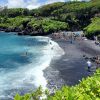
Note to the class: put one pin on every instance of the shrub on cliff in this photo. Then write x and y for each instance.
(47, 25)
(93, 28)
(13, 22)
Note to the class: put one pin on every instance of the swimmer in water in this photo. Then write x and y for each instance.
(50, 43)
(26, 53)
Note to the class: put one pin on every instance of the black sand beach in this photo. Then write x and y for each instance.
(72, 66)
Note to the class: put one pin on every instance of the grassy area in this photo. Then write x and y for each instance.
(47, 25)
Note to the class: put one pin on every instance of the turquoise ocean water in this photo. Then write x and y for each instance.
(22, 61)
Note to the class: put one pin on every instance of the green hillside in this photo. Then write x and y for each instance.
(77, 15)
(93, 28)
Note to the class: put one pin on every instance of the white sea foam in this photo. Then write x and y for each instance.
(51, 51)
(32, 73)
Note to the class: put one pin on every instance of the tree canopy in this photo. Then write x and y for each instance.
(77, 15)
(93, 28)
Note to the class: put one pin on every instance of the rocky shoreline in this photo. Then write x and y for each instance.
(27, 31)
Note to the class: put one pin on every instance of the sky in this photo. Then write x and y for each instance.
(30, 4)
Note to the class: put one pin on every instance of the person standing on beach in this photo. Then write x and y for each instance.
(89, 65)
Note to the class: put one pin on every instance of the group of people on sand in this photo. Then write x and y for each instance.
(67, 36)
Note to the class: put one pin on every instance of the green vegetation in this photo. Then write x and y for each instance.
(93, 28)
(12, 22)
(70, 16)
(47, 25)
(77, 14)
(14, 12)
(87, 89)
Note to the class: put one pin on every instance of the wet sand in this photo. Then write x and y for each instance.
(71, 67)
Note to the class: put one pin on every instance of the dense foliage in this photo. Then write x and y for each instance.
(47, 25)
(43, 25)
(93, 28)
(13, 22)
(76, 14)
(14, 12)
(87, 89)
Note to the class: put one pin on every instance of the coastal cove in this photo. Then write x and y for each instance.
(49, 64)
(22, 61)
(51, 51)
(69, 68)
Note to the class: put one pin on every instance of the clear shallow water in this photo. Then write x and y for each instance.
(22, 61)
